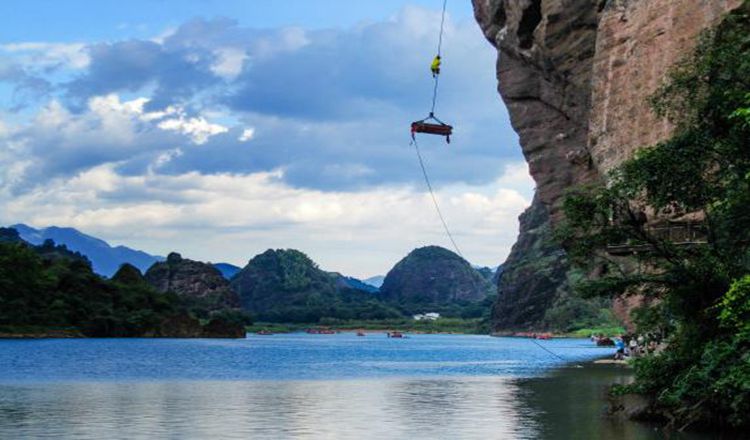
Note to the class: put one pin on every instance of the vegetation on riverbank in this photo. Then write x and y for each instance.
(47, 288)
(698, 292)
(409, 325)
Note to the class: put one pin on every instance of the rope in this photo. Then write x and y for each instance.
(548, 350)
(434, 95)
(434, 199)
(442, 25)
(439, 52)
(553, 353)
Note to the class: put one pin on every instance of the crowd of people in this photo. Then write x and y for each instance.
(630, 345)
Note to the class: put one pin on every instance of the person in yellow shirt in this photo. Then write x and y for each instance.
(435, 66)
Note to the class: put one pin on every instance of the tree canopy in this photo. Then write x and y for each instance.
(701, 173)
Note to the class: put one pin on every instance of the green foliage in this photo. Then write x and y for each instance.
(434, 279)
(50, 287)
(608, 331)
(734, 308)
(707, 383)
(703, 290)
(407, 324)
(572, 313)
(285, 285)
(233, 317)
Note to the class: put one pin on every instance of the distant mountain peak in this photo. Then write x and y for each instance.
(227, 270)
(105, 259)
(375, 281)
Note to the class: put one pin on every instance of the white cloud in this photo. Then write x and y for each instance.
(229, 62)
(234, 216)
(199, 129)
(247, 134)
(42, 54)
(164, 158)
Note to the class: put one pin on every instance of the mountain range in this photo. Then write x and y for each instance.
(105, 259)
(280, 285)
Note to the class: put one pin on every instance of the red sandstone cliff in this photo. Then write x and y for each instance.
(575, 75)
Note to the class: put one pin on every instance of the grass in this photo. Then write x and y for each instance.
(608, 331)
(441, 325)
(274, 327)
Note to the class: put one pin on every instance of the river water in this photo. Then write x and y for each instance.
(301, 386)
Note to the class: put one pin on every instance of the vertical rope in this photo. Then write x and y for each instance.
(434, 199)
(442, 25)
(434, 95)
(439, 52)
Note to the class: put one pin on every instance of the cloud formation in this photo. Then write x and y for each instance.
(242, 215)
(252, 138)
(319, 102)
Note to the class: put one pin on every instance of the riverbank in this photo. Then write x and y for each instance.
(455, 326)
(606, 331)
(32, 332)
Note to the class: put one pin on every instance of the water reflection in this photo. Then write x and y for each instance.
(396, 408)
(570, 403)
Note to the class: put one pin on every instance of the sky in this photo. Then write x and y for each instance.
(221, 128)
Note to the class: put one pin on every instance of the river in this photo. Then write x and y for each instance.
(301, 386)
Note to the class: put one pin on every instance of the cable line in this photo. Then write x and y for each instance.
(434, 199)
(438, 128)
(554, 354)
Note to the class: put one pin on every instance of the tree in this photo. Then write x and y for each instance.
(703, 170)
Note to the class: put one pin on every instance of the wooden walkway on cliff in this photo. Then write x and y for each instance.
(681, 234)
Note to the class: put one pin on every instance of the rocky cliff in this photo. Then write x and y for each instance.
(535, 274)
(193, 279)
(575, 76)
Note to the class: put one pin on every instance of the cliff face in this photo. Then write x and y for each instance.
(534, 275)
(575, 76)
(637, 42)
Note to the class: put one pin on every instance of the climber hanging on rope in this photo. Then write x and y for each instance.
(435, 66)
(438, 127)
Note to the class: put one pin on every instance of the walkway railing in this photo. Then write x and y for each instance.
(684, 234)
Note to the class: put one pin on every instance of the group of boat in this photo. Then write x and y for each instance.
(327, 331)
(320, 331)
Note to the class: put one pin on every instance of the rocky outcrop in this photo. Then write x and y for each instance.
(544, 69)
(433, 276)
(534, 275)
(575, 76)
(193, 279)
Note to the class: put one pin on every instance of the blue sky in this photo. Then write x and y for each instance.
(222, 128)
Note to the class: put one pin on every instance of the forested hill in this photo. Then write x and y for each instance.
(48, 289)
(285, 285)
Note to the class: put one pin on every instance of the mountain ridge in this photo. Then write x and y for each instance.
(105, 259)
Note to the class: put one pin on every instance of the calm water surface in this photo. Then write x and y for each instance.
(302, 387)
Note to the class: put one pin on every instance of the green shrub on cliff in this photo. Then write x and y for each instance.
(702, 288)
